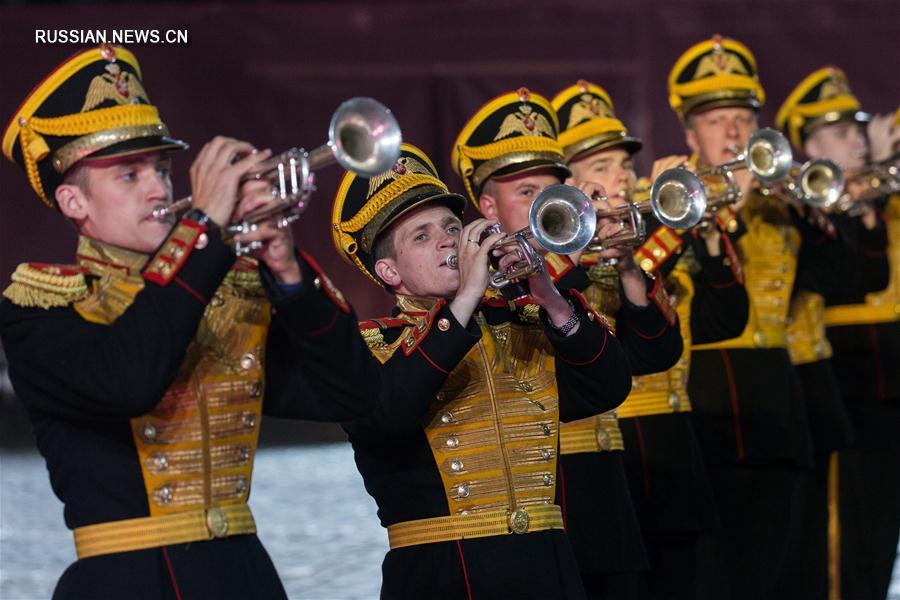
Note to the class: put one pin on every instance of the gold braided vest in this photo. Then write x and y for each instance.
(768, 252)
(196, 446)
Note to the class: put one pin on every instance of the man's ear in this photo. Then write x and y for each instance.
(690, 138)
(387, 272)
(487, 204)
(72, 201)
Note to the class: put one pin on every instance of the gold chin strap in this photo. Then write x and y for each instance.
(35, 148)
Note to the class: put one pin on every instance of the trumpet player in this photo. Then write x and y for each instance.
(665, 470)
(147, 364)
(748, 405)
(503, 179)
(461, 456)
(859, 491)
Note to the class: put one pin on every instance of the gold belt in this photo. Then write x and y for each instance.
(645, 404)
(751, 338)
(153, 532)
(861, 314)
(594, 434)
(475, 525)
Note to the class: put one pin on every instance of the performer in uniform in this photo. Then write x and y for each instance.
(462, 456)
(147, 365)
(663, 463)
(747, 402)
(823, 120)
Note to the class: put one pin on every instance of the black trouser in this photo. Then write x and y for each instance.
(747, 556)
(671, 574)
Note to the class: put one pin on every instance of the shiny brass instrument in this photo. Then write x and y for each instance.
(363, 137)
(674, 200)
(869, 183)
(767, 156)
(561, 219)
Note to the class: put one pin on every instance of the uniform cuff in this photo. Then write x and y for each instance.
(587, 344)
(311, 310)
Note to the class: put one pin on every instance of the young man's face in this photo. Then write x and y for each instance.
(718, 135)
(117, 199)
(844, 143)
(509, 199)
(422, 240)
(613, 169)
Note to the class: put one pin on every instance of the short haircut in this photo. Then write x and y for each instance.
(78, 176)
(383, 248)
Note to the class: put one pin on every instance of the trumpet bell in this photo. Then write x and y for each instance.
(364, 136)
(562, 219)
(769, 155)
(678, 199)
(821, 182)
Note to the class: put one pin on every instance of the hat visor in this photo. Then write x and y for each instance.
(631, 145)
(740, 102)
(454, 202)
(557, 167)
(138, 146)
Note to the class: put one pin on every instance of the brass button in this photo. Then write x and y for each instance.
(248, 361)
(546, 454)
(658, 253)
(674, 401)
(160, 462)
(456, 465)
(546, 429)
(176, 252)
(443, 324)
(217, 522)
(317, 282)
(202, 241)
(732, 226)
(243, 454)
(462, 490)
(603, 439)
(255, 389)
(647, 264)
(217, 300)
(249, 420)
(526, 387)
(148, 432)
(778, 284)
(447, 417)
(240, 485)
(452, 442)
(548, 479)
(519, 521)
(635, 383)
(163, 494)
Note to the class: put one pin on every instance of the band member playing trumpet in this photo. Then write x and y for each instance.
(461, 456)
(665, 469)
(147, 365)
(748, 405)
(859, 490)
(503, 172)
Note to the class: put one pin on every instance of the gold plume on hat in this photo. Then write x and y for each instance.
(121, 87)
(404, 165)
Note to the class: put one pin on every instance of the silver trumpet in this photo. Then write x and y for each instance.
(869, 183)
(363, 137)
(562, 220)
(767, 156)
(674, 200)
(816, 183)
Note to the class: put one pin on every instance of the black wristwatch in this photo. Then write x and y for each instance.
(202, 219)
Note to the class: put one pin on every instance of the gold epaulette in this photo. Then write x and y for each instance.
(373, 334)
(46, 286)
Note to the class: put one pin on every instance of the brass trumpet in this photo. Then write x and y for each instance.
(872, 181)
(363, 137)
(561, 219)
(767, 156)
(672, 200)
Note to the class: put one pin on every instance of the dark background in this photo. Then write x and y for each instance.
(272, 73)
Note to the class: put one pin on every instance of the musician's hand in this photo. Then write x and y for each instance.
(472, 254)
(884, 137)
(545, 294)
(597, 193)
(670, 162)
(277, 250)
(216, 174)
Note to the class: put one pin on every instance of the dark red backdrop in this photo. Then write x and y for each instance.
(273, 73)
